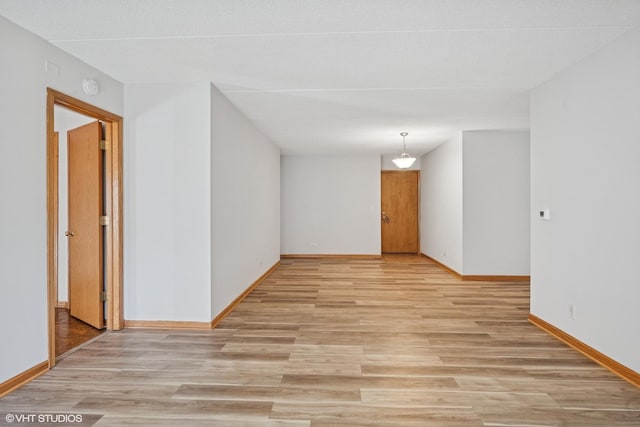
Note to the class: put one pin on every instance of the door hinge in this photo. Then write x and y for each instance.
(103, 144)
(104, 220)
(103, 296)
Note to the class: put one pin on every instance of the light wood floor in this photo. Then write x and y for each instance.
(371, 343)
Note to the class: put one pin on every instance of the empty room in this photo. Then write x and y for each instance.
(320, 213)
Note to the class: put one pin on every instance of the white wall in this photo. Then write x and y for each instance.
(23, 229)
(64, 120)
(496, 203)
(245, 202)
(585, 148)
(386, 163)
(200, 226)
(441, 204)
(474, 203)
(330, 205)
(167, 202)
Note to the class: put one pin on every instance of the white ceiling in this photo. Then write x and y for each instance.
(336, 76)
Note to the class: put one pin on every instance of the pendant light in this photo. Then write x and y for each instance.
(404, 160)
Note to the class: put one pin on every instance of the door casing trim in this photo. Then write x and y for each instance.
(113, 208)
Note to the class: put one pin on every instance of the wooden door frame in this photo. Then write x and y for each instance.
(417, 173)
(113, 209)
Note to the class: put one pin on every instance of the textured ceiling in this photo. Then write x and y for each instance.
(336, 76)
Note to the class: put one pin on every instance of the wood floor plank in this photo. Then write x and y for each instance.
(333, 342)
(186, 408)
(270, 394)
(399, 398)
(172, 421)
(359, 382)
(326, 414)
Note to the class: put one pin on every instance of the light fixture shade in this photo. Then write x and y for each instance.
(404, 161)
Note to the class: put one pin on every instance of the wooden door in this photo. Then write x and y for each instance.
(400, 211)
(85, 239)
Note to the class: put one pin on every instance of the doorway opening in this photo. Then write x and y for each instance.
(84, 222)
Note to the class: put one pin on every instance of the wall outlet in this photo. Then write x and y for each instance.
(572, 311)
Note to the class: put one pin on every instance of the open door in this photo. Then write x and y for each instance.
(85, 234)
(399, 191)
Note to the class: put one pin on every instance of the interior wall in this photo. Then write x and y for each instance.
(245, 202)
(23, 229)
(64, 121)
(330, 205)
(441, 204)
(584, 169)
(496, 197)
(167, 265)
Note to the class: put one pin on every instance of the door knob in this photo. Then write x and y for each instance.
(68, 233)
